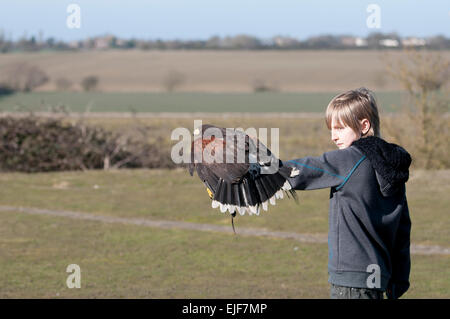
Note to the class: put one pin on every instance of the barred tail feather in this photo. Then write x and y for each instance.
(250, 195)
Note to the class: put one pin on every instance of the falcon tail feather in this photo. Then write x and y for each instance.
(250, 195)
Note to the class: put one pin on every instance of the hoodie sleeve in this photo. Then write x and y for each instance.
(332, 169)
(401, 260)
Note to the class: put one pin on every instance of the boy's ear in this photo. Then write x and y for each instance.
(365, 126)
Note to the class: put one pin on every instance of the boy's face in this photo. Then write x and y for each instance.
(342, 136)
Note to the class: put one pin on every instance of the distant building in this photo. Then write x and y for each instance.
(348, 41)
(392, 43)
(413, 42)
(120, 43)
(282, 42)
(360, 42)
(102, 43)
(74, 44)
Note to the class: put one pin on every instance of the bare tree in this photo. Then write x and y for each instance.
(424, 76)
(261, 85)
(24, 77)
(173, 80)
(89, 83)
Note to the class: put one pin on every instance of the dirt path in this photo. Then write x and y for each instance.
(166, 224)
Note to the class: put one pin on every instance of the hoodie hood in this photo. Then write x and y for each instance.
(390, 161)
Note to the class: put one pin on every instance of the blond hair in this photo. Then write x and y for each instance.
(350, 107)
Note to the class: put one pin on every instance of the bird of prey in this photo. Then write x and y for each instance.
(250, 178)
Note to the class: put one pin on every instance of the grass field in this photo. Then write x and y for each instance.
(134, 261)
(126, 261)
(183, 102)
(216, 71)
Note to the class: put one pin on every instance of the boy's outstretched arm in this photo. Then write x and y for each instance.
(401, 260)
(331, 169)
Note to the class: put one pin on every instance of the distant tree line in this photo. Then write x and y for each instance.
(238, 42)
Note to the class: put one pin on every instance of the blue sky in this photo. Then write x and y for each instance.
(200, 19)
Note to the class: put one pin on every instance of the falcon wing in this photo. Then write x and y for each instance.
(237, 186)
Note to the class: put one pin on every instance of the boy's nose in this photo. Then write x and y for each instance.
(333, 136)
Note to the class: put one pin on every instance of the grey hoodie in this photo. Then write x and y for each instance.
(369, 223)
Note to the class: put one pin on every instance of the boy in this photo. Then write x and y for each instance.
(369, 223)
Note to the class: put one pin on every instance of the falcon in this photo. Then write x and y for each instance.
(240, 173)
